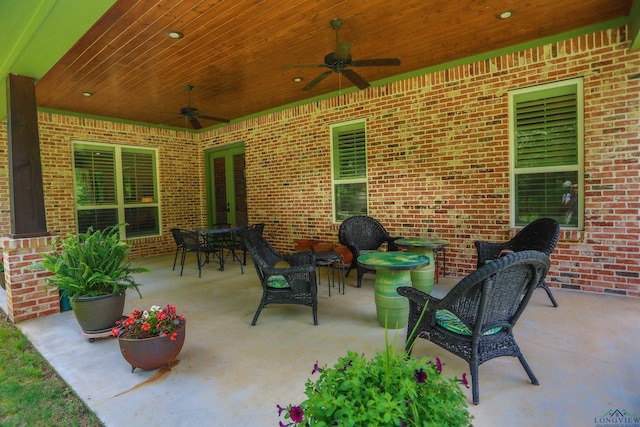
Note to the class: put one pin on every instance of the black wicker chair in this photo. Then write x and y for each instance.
(540, 235)
(258, 228)
(360, 234)
(292, 284)
(475, 319)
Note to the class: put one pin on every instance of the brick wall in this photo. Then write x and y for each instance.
(438, 148)
(180, 163)
(438, 162)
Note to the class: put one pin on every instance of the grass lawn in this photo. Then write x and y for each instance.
(31, 392)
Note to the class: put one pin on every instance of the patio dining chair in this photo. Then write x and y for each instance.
(475, 319)
(540, 235)
(291, 283)
(177, 238)
(194, 242)
(362, 233)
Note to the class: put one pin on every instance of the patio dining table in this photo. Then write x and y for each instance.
(223, 238)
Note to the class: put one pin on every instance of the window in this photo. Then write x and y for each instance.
(546, 127)
(349, 156)
(117, 185)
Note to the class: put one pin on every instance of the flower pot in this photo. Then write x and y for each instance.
(303, 245)
(65, 304)
(151, 353)
(322, 247)
(99, 314)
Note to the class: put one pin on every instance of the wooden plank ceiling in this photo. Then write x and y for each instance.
(233, 52)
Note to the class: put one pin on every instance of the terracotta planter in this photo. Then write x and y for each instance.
(151, 353)
(303, 245)
(99, 314)
(322, 247)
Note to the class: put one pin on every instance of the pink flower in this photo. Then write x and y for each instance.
(420, 375)
(296, 414)
(439, 365)
(464, 380)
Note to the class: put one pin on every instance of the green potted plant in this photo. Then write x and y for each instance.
(93, 271)
(390, 389)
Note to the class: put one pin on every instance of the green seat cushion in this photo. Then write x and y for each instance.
(451, 322)
(277, 282)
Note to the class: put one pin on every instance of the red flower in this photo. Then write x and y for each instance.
(174, 336)
(154, 322)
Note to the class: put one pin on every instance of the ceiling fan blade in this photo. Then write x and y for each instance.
(342, 51)
(379, 62)
(355, 78)
(216, 119)
(317, 80)
(194, 123)
(290, 67)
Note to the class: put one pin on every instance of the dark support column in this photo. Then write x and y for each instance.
(25, 170)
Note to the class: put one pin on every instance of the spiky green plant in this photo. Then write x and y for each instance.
(90, 264)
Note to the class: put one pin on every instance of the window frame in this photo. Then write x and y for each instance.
(335, 129)
(121, 205)
(578, 167)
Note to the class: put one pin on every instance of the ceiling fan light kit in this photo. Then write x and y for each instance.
(340, 62)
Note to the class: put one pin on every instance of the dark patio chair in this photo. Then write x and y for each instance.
(258, 228)
(475, 319)
(293, 283)
(362, 233)
(194, 242)
(177, 238)
(540, 235)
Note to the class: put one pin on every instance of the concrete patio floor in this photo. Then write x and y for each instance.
(585, 353)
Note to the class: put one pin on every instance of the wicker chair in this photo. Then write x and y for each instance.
(258, 228)
(293, 284)
(475, 319)
(360, 234)
(540, 235)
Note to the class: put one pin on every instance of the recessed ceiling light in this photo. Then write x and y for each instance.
(297, 79)
(87, 94)
(175, 34)
(506, 14)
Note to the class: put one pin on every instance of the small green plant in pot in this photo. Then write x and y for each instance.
(93, 271)
(390, 389)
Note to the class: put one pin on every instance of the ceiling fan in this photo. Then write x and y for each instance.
(191, 113)
(340, 62)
